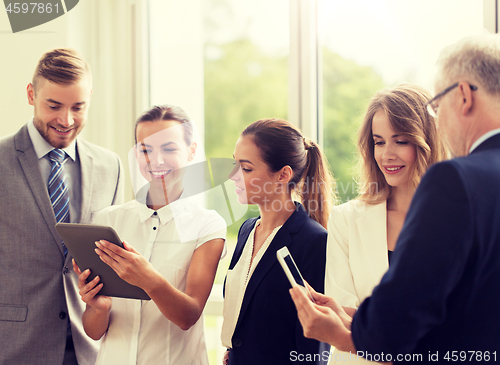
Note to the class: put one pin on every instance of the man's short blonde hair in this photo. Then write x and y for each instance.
(61, 66)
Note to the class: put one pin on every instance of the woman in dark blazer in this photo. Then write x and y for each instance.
(274, 162)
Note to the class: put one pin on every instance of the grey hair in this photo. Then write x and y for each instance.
(475, 56)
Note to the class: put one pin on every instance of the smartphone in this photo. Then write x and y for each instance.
(292, 271)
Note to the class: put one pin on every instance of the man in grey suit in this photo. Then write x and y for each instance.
(40, 309)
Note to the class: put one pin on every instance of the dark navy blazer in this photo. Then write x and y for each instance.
(442, 290)
(268, 330)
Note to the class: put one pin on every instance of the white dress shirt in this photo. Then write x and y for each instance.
(483, 138)
(71, 169)
(138, 332)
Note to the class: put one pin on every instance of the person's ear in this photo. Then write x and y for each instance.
(30, 90)
(285, 174)
(466, 95)
(192, 151)
(136, 151)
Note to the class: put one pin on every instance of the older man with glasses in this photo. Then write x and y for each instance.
(439, 301)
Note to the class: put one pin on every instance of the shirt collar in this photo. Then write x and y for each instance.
(42, 147)
(166, 213)
(483, 138)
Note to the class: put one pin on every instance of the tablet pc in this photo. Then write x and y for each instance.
(80, 241)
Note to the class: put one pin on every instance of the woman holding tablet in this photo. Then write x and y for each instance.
(172, 248)
(397, 143)
(274, 162)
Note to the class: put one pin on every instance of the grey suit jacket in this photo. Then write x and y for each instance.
(38, 287)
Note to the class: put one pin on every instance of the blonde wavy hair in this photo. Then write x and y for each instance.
(405, 106)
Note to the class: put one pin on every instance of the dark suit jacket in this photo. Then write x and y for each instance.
(268, 330)
(442, 291)
(38, 287)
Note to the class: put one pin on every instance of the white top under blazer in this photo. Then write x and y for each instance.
(356, 257)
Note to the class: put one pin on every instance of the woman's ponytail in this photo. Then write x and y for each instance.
(316, 187)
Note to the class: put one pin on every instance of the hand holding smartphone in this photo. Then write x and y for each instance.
(292, 271)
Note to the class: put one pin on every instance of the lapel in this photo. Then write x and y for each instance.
(243, 234)
(30, 167)
(86, 171)
(372, 229)
(246, 228)
(268, 260)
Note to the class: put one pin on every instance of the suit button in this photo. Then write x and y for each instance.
(62, 315)
(237, 342)
(65, 271)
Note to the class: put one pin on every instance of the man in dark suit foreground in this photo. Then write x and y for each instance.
(40, 309)
(439, 301)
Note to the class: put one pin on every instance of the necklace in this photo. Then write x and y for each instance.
(261, 250)
(266, 241)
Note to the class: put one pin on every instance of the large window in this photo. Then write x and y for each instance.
(246, 68)
(367, 45)
(314, 62)
(246, 55)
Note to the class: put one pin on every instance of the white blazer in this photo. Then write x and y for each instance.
(356, 257)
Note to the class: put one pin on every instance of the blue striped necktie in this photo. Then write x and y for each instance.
(58, 189)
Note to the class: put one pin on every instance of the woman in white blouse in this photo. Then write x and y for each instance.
(397, 143)
(172, 249)
(274, 161)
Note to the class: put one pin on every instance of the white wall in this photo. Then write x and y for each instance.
(111, 37)
(19, 54)
(177, 42)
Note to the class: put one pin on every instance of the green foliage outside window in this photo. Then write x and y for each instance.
(347, 90)
(243, 85)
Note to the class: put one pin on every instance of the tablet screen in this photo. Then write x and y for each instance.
(80, 240)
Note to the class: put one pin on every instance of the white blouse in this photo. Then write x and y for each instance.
(138, 332)
(236, 283)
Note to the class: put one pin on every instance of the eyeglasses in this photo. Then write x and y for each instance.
(432, 106)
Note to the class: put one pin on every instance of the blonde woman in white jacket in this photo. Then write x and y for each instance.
(397, 142)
